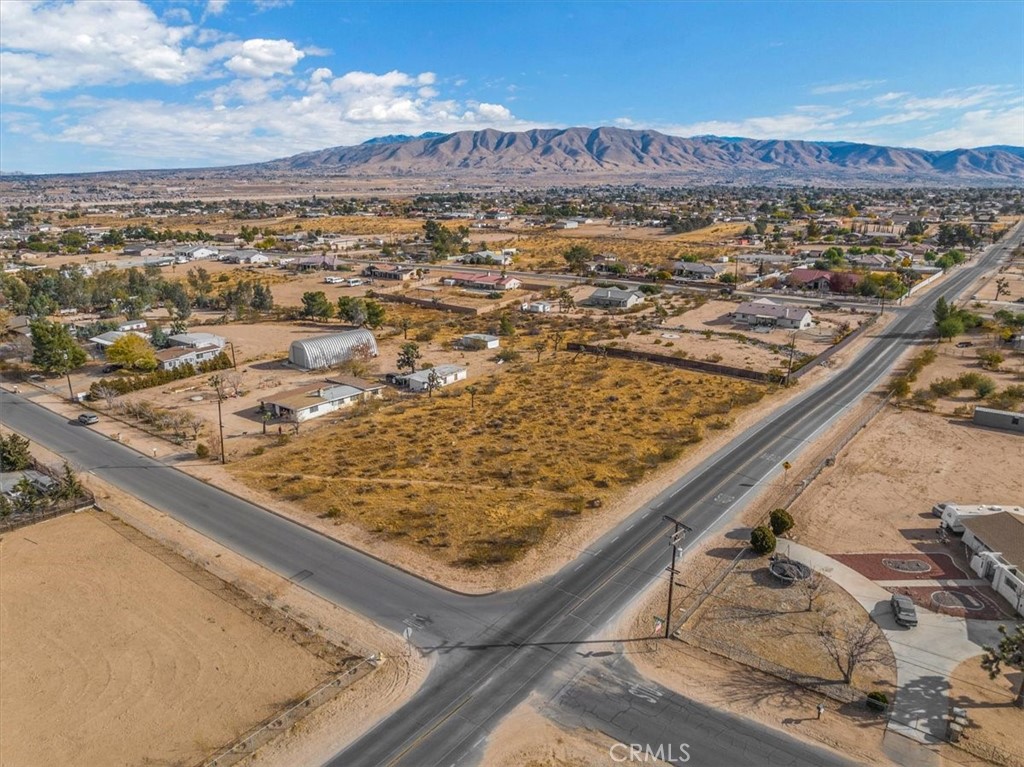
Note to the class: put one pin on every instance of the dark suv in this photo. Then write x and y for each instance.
(903, 610)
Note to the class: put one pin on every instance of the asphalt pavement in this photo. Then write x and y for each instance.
(491, 651)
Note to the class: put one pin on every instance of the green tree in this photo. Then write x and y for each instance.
(762, 540)
(262, 297)
(404, 323)
(54, 350)
(1009, 652)
(781, 521)
(577, 257)
(375, 314)
(68, 485)
(14, 453)
(316, 305)
(133, 353)
(950, 327)
(408, 356)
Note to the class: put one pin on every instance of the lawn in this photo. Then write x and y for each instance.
(479, 479)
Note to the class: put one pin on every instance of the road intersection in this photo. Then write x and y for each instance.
(491, 651)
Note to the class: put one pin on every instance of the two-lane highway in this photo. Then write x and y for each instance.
(492, 651)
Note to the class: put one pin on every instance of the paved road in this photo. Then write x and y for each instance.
(492, 651)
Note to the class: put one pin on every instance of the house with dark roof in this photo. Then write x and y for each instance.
(997, 544)
(688, 270)
(823, 281)
(615, 298)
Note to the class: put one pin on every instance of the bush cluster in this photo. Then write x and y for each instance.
(157, 377)
(762, 540)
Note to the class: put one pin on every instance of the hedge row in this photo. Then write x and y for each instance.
(157, 377)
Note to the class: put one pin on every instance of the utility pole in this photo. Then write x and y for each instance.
(792, 351)
(233, 363)
(220, 417)
(679, 533)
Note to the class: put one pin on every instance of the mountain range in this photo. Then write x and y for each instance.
(581, 155)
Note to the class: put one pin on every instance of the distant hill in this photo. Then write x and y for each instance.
(579, 155)
(399, 138)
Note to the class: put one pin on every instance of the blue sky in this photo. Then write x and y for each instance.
(96, 85)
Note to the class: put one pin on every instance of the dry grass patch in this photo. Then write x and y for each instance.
(481, 483)
(545, 251)
(753, 612)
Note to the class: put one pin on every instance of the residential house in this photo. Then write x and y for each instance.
(997, 544)
(194, 340)
(124, 327)
(176, 356)
(488, 257)
(443, 375)
(697, 270)
(310, 263)
(478, 281)
(389, 272)
(479, 341)
(766, 313)
(538, 307)
(315, 400)
(823, 281)
(615, 298)
(567, 224)
(140, 251)
(194, 252)
(106, 340)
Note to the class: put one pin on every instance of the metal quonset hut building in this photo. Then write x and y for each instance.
(323, 351)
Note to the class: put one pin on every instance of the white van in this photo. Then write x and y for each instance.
(334, 280)
(354, 282)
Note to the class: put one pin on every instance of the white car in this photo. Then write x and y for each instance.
(334, 280)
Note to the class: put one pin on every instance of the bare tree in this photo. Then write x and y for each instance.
(810, 590)
(107, 394)
(539, 347)
(852, 643)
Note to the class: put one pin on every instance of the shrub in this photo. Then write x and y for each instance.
(762, 540)
(877, 700)
(990, 359)
(781, 521)
(157, 377)
(945, 387)
(900, 387)
(984, 387)
(202, 451)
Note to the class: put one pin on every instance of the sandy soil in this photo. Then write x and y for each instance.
(526, 739)
(878, 496)
(995, 721)
(952, 361)
(334, 724)
(115, 668)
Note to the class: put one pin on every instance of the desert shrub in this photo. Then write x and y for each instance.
(781, 521)
(924, 398)
(990, 359)
(983, 387)
(969, 380)
(202, 451)
(762, 540)
(945, 387)
(900, 387)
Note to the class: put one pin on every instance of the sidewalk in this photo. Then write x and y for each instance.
(926, 656)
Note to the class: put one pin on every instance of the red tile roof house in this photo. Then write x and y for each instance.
(823, 281)
(483, 281)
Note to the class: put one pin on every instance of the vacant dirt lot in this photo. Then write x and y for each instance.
(478, 479)
(954, 361)
(113, 657)
(879, 494)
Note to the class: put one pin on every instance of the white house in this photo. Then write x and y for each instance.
(764, 312)
(537, 307)
(479, 281)
(997, 543)
(567, 224)
(195, 252)
(696, 271)
(315, 400)
(176, 356)
(445, 375)
(124, 327)
(479, 341)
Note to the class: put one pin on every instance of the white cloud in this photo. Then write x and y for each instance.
(215, 7)
(264, 58)
(253, 119)
(266, 5)
(847, 87)
(981, 127)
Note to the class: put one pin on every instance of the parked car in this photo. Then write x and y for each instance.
(903, 610)
(88, 419)
(334, 280)
(963, 344)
